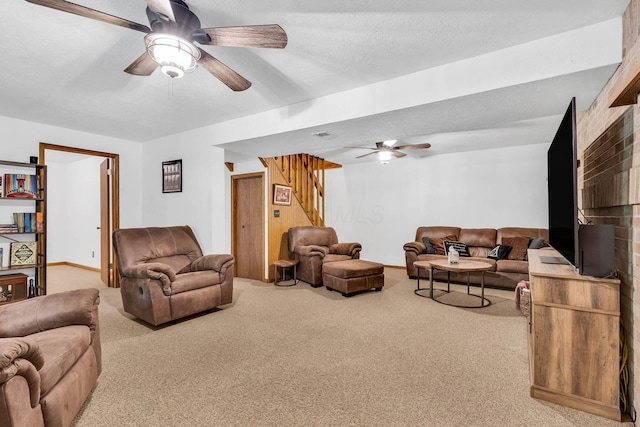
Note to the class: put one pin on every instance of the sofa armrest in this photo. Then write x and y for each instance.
(22, 357)
(350, 249)
(216, 262)
(312, 250)
(19, 348)
(151, 270)
(78, 307)
(417, 247)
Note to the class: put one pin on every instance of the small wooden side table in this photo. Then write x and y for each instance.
(284, 264)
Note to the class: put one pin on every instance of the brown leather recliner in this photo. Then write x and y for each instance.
(50, 358)
(164, 276)
(312, 246)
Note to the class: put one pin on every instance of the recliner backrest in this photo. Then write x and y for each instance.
(311, 235)
(174, 246)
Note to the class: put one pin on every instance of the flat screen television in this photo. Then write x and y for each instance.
(562, 162)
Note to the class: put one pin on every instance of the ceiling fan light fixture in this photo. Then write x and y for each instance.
(175, 55)
(384, 156)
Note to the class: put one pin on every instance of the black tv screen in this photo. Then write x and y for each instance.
(563, 187)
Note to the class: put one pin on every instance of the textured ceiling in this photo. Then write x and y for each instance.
(65, 70)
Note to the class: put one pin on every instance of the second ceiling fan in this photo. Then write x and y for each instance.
(386, 149)
(170, 39)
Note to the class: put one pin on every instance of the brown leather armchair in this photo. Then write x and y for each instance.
(312, 246)
(164, 276)
(50, 358)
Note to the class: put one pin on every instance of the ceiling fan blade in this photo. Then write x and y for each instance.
(363, 148)
(223, 73)
(412, 147)
(143, 66)
(368, 154)
(76, 9)
(162, 7)
(398, 154)
(267, 36)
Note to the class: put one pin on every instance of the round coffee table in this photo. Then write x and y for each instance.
(423, 265)
(463, 266)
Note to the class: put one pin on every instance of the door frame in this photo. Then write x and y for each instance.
(235, 178)
(106, 168)
(115, 193)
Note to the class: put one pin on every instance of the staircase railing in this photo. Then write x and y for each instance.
(305, 174)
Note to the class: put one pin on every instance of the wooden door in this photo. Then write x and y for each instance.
(248, 225)
(105, 223)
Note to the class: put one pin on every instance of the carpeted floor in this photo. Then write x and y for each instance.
(298, 356)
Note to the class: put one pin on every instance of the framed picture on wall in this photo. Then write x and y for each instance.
(281, 195)
(172, 176)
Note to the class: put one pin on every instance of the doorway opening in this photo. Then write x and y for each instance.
(109, 204)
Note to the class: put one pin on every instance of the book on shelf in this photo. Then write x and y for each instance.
(27, 222)
(1, 186)
(8, 228)
(1, 255)
(18, 218)
(40, 222)
(22, 253)
(19, 185)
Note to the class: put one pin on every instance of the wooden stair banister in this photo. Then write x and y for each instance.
(305, 174)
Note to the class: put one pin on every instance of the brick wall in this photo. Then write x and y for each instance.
(609, 183)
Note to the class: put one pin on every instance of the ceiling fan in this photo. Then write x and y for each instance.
(173, 30)
(386, 149)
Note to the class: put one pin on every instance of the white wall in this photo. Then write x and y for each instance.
(381, 206)
(203, 200)
(73, 212)
(20, 139)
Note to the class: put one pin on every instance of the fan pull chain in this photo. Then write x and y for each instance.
(169, 89)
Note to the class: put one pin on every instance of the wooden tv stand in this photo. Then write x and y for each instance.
(574, 337)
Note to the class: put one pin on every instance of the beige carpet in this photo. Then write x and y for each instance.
(300, 356)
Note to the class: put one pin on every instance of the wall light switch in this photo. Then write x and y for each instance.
(276, 213)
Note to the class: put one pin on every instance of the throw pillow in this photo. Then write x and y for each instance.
(519, 245)
(430, 248)
(535, 243)
(439, 243)
(499, 252)
(462, 248)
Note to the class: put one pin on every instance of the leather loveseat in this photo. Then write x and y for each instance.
(50, 358)
(164, 276)
(313, 246)
(504, 273)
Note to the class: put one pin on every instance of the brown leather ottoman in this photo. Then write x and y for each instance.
(352, 276)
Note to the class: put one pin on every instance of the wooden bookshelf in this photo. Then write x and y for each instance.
(25, 204)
